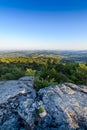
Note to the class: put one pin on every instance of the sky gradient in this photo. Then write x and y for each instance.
(43, 24)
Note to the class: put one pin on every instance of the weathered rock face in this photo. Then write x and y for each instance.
(60, 107)
(16, 98)
(66, 105)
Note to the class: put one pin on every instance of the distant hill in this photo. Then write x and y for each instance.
(67, 56)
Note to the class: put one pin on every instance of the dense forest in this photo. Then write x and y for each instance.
(47, 69)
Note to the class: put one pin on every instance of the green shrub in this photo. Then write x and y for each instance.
(41, 83)
(41, 109)
(30, 72)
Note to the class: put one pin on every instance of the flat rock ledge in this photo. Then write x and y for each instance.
(59, 107)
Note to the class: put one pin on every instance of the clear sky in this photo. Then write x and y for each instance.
(43, 24)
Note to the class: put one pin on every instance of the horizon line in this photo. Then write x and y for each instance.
(43, 50)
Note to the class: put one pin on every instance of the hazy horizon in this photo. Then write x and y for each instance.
(60, 50)
(43, 25)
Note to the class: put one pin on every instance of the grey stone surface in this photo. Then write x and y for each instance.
(11, 123)
(65, 106)
(16, 98)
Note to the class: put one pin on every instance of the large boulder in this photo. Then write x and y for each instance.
(16, 99)
(66, 107)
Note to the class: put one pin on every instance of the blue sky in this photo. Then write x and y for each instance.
(43, 24)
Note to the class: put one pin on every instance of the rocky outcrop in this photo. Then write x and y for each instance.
(59, 107)
(66, 106)
(16, 99)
